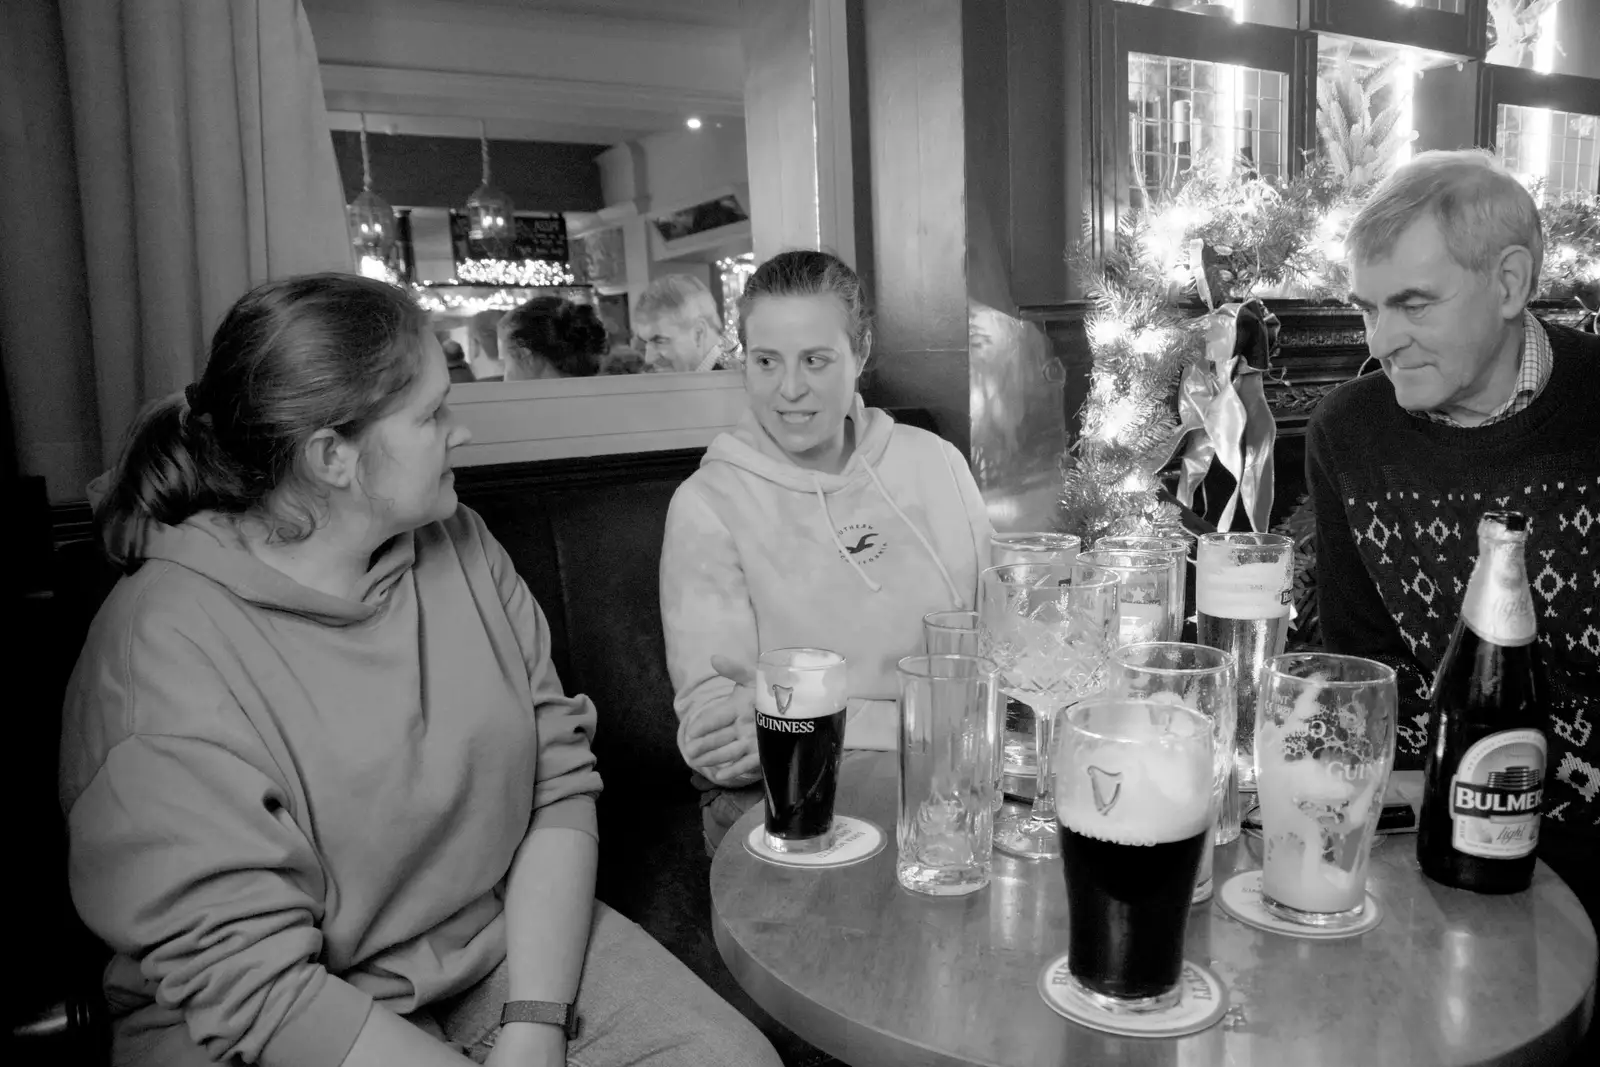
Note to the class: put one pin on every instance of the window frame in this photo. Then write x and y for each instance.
(1522, 87)
(1118, 29)
(1465, 35)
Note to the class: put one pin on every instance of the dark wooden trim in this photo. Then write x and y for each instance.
(72, 521)
(583, 472)
(1206, 38)
(1464, 35)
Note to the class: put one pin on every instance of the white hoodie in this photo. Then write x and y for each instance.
(761, 553)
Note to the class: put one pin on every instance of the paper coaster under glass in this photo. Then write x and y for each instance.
(854, 840)
(1240, 897)
(1203, 1002)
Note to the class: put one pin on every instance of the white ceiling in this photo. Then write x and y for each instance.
(589, 71)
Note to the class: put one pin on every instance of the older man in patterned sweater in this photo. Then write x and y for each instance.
(1479, 406)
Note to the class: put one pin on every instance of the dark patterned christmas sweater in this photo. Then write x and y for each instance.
(1397, 502)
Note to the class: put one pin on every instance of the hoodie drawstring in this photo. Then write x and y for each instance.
(827, 518)
(955, 597)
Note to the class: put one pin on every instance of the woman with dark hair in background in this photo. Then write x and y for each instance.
(327, 801)
(548, 337)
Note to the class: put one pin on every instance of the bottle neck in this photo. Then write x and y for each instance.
(1499, 605)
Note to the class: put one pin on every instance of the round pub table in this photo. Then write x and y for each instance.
(880, 977)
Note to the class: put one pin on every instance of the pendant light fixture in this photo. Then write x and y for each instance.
(371, 220)
(491, 223)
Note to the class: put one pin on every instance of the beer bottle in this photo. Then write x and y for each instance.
(1483, 784)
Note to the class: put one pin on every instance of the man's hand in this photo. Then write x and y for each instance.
(721, 741)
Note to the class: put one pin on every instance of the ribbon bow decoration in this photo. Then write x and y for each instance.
(1223, 413)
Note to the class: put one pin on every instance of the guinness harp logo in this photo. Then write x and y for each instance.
(1107, 786)
(783, 696)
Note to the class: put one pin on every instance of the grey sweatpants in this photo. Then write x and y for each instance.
(639, 1004)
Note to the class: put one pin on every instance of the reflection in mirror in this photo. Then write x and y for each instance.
(630, 237)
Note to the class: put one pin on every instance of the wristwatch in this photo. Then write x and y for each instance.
(542, 1011)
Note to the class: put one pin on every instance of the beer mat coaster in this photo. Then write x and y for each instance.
(1240, 897)
(854, 840)
(1204, 1001)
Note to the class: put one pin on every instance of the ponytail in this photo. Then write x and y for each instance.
(159, 478)
(291, 357)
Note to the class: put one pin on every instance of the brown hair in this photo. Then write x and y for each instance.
(569, 336)
(291, 357)
(803, 272)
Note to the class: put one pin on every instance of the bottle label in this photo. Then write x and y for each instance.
(1496, 794)
(1250, 591)
(1498, 606)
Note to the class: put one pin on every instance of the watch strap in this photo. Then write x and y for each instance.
(542, 1011)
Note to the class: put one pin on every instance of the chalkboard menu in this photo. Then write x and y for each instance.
(538, 237)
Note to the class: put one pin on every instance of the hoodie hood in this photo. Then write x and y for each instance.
(208, 544)
(749, 447)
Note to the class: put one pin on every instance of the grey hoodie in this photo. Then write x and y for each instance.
(761, 553)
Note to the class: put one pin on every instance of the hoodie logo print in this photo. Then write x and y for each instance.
(861, 543)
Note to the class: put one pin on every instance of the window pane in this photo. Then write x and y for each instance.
(1182, 111)
(1366, 88)
(1562, 148)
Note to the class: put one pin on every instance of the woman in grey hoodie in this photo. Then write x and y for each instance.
(816, 521)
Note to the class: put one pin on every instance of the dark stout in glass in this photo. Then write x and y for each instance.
(800, 766)
(1128, 906)
(1483, 785)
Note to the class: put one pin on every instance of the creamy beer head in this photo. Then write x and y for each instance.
(1135, 773)
(800, 683)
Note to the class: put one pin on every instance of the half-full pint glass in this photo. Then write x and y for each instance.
(1243, 585)
(1133, 796)
(1324, 747)
(800, 712)
(1198, 678)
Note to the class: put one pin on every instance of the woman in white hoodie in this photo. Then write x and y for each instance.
(817, 521)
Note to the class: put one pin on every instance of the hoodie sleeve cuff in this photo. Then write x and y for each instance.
(573, 813)
(322, 1032)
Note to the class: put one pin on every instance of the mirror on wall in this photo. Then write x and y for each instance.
(568, 178)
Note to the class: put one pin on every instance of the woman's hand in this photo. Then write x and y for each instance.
(528, 1045)
(721, 742)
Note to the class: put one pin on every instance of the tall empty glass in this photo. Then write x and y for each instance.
(1018, 758)
(955, 633)
(1176, 551)
(1200, 679)
(1133, 785)
(950, 633)
(1243, 586)
(1325, 746)
(949, 731)
(1146, 612)
(1048, 627)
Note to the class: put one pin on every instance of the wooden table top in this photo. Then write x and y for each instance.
(878, 976)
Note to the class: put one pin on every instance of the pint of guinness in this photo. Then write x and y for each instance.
(800, 713)
(1133, 798)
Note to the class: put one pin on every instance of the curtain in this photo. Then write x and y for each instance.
(197, 140)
